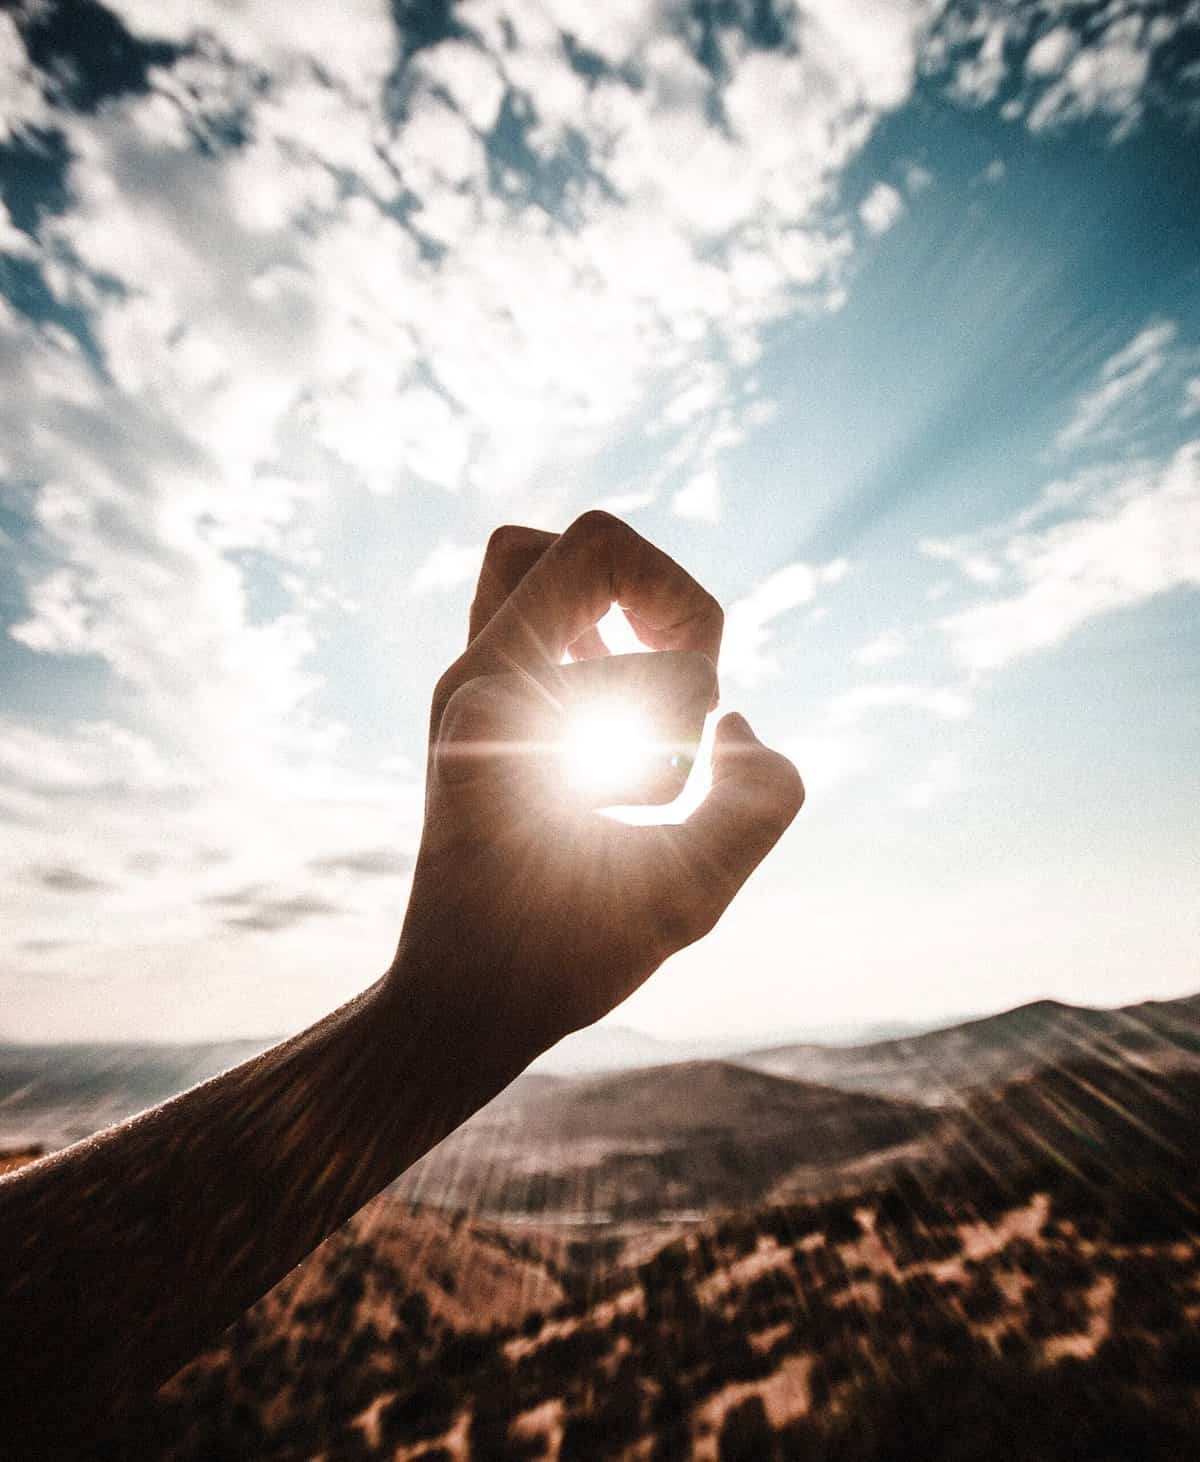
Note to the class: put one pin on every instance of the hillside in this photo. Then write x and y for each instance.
(973, 1322)
(666, 1140)
(54, 1095)
(936, 1067)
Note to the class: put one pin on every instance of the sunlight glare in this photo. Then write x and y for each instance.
(607, 747)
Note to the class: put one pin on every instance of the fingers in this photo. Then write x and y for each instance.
(511, 552)
(486, 726)
(588, 646)
(756, 793)
(574, 582)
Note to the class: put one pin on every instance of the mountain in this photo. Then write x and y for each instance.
(55, 1094)
(937, 1067)
(661, 1140)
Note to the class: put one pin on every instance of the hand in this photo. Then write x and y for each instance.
(532, 915)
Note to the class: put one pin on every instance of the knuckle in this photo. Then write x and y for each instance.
(789, 787)
(597, 526)
(507, 540)
(700, 669)
(447, 683)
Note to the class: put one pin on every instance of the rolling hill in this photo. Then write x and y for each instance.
(664, 1140)
(939, 1066)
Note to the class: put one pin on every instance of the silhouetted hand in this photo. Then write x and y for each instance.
(531, 914)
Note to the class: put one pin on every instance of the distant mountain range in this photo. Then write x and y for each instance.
(56, 1094)
(679, 1138)
(938, 1066)
(682, 1137)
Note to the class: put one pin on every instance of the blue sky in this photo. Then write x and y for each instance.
(883, 319)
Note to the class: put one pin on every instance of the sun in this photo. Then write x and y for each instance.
(608, 747)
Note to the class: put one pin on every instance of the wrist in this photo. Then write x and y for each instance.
(443, 1015)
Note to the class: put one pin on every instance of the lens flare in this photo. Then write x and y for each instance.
(608, 747)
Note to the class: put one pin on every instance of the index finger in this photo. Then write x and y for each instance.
(597, 562)
(511, 552)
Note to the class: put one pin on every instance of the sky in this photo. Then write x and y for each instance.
(883, 319)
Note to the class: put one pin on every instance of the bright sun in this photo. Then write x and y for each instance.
(607, 748)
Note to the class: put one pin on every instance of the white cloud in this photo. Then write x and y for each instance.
(976, 81)
(975, 565)
(828, 759)
(1125, 545)
(700, 498)
(23, 105)
(749, 620)
(1051, 52)
(1106, 77)
(994, 173)
(890, 645)
(1121, 380)
(621, 503)
(449, 565)
(948, 702)
(1191, 397)
(880, 209)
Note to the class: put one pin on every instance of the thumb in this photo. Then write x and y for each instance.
(756, 793)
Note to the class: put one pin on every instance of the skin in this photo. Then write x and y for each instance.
(124, 1255)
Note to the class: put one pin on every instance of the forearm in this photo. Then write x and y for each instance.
(125, 1254)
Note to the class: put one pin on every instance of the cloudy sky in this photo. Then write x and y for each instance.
(882, 318)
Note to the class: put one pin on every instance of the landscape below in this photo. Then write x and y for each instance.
(975, 1243)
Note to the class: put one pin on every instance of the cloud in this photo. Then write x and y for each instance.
(890, 645)
(948, 702)
(1106, 77)
(973, 564)
(749, 620)
(365, 863)
(64, 878)
(264, 913)
(1050, 52)
(447, 566)
(1191, 397)
(1055, 68)
(880, 209)
(829, 758)
(977, 79)
(700, 498)
(1122, 379)
(1124, 544)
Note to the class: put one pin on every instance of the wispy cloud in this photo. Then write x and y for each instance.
(364, 863)
(1120, 546)
(949, 702)
(1122, 378)
(892, 644)
(258, 911)
(66, 878)
(750, 620)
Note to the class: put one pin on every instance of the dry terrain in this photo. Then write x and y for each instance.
(995, 1256)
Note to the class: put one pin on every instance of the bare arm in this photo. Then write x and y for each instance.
(125, 1254)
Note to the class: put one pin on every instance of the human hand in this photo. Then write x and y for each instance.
(530, 914)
